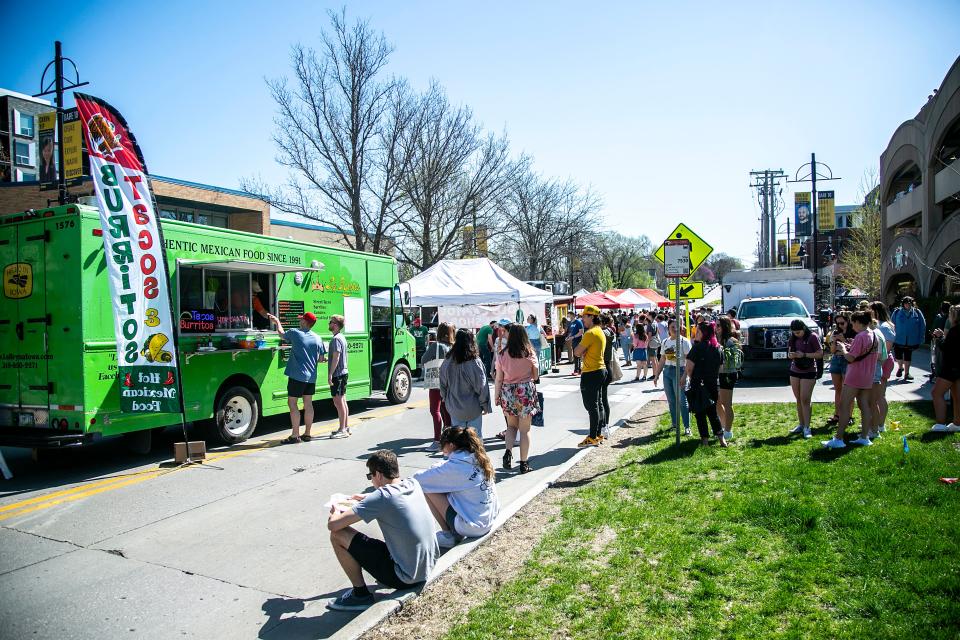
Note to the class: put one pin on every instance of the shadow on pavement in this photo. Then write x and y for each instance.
(321, 626)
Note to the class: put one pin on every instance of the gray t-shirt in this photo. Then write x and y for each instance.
(305, 350)
(339, 345)
(406, 522)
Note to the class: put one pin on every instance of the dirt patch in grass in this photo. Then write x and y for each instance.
(446, 601)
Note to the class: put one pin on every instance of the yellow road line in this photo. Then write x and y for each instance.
(88, 489)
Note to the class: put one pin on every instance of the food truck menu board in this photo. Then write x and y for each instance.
(288, 312)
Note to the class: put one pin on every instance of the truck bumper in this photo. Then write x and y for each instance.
(41, 438)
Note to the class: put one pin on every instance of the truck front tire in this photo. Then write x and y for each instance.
(398, 391)
(235, 416)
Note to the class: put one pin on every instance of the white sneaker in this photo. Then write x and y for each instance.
(807, 434)
(874, 434)
(940, 427)
(797, 429)
(953, 427)
(834, 443)
(728, 435)
(446, 540)
(687, 432)
(882, 428)
(605, 432)
(863, 442)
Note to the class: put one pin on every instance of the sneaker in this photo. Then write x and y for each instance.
(604, 433)
(588, 442)
(728, 435)
(873, 435)
(807, 434)
(350, 602)
(863, 442)
(908, 378)
(940, 428)
(882, 428)
(687, 432)
(796, 430)
(345, 433)
(834, 443)
(953, 427)
(447, 540)
(899, 372)
(433, 446)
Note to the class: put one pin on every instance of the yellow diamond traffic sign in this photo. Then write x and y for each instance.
(699, 249)
(688, 290)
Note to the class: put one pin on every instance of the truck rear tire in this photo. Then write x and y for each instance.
(398, 391)
(235, 416)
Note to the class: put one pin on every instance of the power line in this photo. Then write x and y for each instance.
(769, 192)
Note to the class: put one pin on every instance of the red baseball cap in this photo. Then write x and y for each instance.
(309, 317)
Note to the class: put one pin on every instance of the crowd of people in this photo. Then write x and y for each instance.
(700, 368)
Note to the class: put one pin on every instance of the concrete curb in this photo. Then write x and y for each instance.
(382, 609)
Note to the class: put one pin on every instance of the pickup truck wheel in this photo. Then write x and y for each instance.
(236, 414)
(401, 384)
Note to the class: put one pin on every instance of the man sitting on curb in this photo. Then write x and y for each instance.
(406, 555)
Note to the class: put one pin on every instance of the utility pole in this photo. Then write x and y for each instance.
(767, 184)
(58, 88)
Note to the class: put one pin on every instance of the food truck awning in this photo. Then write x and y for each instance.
(246, 265)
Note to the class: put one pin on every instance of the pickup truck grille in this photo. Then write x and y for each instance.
(776, 338)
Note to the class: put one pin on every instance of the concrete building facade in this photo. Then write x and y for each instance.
(920, 198)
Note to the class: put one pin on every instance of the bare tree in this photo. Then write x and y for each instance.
(860, 259)
(456, 174)
(337, 124)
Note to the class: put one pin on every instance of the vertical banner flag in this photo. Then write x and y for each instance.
(826, 213)
(47, 163)
(794, 251)
(801, 207)
(72, 147)
(781, 251)
(133, 246)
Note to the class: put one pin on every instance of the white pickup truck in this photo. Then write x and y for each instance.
(765, 332)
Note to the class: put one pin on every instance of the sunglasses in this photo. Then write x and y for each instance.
(369, 476)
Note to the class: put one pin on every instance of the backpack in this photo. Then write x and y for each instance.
(732, 357)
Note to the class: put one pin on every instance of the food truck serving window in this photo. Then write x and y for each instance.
(227, 300)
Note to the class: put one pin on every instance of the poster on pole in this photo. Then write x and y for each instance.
(803, 219)
(826, 212)
(795, 252)
(781, 251)
(137, 270)
(47, 161)
(73, 164)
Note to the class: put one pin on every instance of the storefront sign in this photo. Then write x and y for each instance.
(136, 266)
(198, 321)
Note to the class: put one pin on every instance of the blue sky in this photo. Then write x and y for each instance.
(663, 108)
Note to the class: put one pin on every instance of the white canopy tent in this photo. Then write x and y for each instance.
(470, 293)
(581, 292)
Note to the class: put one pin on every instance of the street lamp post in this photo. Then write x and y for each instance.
(812, 177)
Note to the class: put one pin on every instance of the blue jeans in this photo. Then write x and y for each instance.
(669, 387)
(475, 423)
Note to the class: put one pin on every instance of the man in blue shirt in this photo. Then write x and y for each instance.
(306, 350)
(911, 331)
(575, 333)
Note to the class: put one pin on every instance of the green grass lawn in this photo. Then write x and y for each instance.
(773, 537)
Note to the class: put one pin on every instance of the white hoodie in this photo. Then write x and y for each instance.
(471, 495)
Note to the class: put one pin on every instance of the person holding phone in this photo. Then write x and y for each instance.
(804, 349)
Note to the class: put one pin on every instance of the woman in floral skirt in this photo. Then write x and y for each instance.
(516, 392)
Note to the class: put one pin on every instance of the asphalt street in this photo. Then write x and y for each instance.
(103, 543)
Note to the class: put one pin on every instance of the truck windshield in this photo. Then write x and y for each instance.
(772, 309)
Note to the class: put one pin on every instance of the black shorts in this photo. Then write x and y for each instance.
(451, 518)
(804, 375)
(298, 389)
(729, 380)
(339, 385)
(374, 557)
(903, 352)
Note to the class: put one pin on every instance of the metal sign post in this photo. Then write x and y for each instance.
(678, 348)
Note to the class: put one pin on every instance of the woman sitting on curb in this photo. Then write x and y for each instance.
(461, 490)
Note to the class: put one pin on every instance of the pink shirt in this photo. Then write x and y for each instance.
(638, 343)
(516, 369)
(860, 374)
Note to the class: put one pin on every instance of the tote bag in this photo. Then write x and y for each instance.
(616, 373)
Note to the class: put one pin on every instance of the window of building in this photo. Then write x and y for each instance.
(26, 176)
(25, 127)
(23, 153)
(207, 218)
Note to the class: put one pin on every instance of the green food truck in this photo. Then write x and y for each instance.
(59, 381)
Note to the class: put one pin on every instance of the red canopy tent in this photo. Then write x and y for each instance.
(653, 296)
(601, 300)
